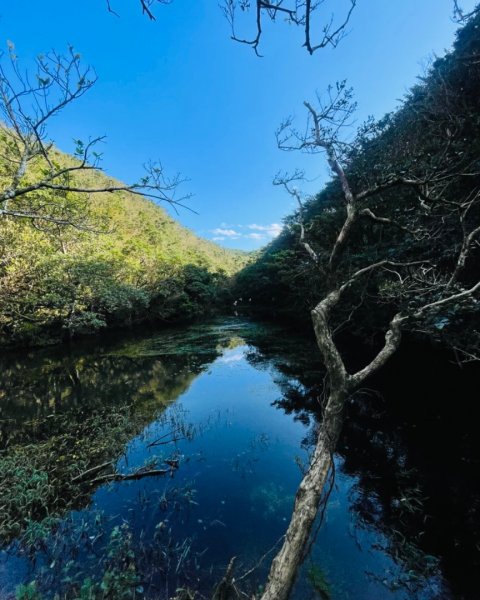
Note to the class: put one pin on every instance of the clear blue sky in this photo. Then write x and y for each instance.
(181, 91)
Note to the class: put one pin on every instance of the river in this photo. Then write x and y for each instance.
(228, 411)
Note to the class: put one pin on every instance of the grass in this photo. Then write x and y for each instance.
(37, 479)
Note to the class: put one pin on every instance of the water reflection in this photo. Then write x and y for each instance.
(236, 404)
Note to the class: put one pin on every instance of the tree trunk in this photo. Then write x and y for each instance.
(285, 565)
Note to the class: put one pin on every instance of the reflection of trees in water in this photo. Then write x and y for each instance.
(412, 447)
(70, 413)
(416, 461)
(39, 385)
(140, 377)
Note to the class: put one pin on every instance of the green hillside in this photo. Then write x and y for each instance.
(434, 137)
(128, 262)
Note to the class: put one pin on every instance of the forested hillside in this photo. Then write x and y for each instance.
(123, 260)
(426, 156)
(327, 451)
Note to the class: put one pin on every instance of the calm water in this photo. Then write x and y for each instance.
(235, 403)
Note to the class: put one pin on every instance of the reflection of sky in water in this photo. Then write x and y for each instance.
(231, 357)
(233, 492)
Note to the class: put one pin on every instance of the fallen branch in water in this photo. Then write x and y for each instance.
(91, 471)
(131, 476)
(262, 558)
(161, 440)
(226, 587)
(139, 474)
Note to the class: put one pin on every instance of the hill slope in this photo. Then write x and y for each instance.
(433, 137)
(133, 263)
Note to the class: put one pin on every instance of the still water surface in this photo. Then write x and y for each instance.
(223, 400)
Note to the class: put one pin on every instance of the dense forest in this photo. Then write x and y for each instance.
(129, 262)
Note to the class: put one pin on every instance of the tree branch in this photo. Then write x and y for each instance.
(27, 109)
(298, 13)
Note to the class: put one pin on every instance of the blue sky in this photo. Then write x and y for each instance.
(179, 90)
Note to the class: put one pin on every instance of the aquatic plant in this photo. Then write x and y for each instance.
(28, 592)
(43, 479)
(117, 580)
(319, 582)
(273, 500)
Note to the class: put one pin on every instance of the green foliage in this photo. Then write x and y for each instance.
(28, 592)
(37, 480)
(120, 579)
(133, 263)
(117, 581)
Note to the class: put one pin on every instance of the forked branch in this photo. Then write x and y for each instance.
(296, 12)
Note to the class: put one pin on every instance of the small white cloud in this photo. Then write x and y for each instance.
(226, 232)
(271, 230)
(257, 232)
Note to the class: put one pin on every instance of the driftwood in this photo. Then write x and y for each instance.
(161, 441)
(89, 472)
(140, 474)
(85, 477)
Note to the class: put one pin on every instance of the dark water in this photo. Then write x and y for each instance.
(236, 404)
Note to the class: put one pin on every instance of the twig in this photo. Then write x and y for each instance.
(91, 471)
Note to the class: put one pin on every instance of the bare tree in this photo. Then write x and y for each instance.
(423, 290)
(34, 183)
(297, 12)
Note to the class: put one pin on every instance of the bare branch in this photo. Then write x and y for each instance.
(286, 181)
(27, 108)
(393, 338)
(460, 15)
(331, 35)
(452, 299)
(296, 12)
(146, 6)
